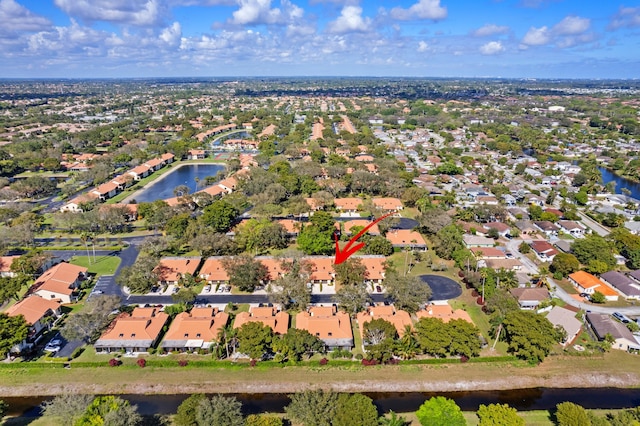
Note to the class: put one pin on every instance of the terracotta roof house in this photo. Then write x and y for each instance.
(37, 312)
(229, 184)
(194, 330)
(525, 227)
(567, 320)
(603, 324)
(171, 269)
(135, 332)
(291, 226)
(331, 326)
(213, 271)
(106, 191)
(400, 319)
(274, 267)
(443, 311)
(388, 204)
(347, 225)
(5, 266)
(406, 238)
(196, 154)
(60, 282)
(376, 267)
(167, 157)
(348, 205)
(139, 172)
(587, 283)
(322, 271)
(624, 284)
(529, 297)
(543, 250)
(278, 321)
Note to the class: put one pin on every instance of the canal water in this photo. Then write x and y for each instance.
(521, 399)
(184, 174)
(608, 176)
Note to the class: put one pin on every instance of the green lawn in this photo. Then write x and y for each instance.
(101, 265)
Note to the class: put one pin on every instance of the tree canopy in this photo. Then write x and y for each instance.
(440, 411)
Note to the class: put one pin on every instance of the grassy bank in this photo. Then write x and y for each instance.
(163, 376)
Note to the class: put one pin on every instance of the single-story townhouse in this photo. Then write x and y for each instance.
(399, 318)
(548, 228)
(507, 264)
(348, 205)
(171, 269)
(444, 312)
(566, 319)
(194, 330)
(214, 272)
(278, 321)
(347, 225)
(502, 228)
(5, 266)
(587, 283)
(488, 253)
(196, 154)
(60, 282)
(603, 324)
(331, 326)
(135, 332)
(388, 204)
(406, 238)
(530, 297)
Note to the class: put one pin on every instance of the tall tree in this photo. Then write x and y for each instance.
(13, 330)
(219, 410)
(296, 343)
(407, 293)
(529, 335)
(570, 414)
(254, 339)
(219, 215)
(66, 408)
(291, 290)
(440, 411)
(355, 410)
(312, 407)
(110, 411)
(245, 272)
(498, 415)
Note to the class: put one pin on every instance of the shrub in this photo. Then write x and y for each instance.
(114, 362)
(253, 363)
(141, 362)
(368, 362)
(183, 363)
(464, 358)
(324, 361)
(152, 351)
(359, 357)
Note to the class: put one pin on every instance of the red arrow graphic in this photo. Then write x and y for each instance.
(342, 255)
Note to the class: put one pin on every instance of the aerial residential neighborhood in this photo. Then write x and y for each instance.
(348, 230)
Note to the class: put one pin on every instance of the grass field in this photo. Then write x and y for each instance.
(101, 265)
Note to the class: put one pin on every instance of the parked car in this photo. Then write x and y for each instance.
(379, 289)
(53, 345)
(621, 317)
(207, 288)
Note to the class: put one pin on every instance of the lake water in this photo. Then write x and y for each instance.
(185, 174)
(608, 176)
(521, 399)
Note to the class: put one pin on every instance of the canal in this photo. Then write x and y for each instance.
(521, 399)
(185, 174)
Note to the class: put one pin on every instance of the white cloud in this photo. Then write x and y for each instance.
(133, 12)
(172, 34)
(492, 48)
(423, 46)
(17, 18)
(571, 25)
(490, 29)
(350, 20)
(627, 17)
(424, 9)
(537, 36)
(570, 31)
(256, 12)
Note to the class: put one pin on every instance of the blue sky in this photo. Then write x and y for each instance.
(417, 38)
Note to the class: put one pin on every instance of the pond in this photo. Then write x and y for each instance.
(185, 174)
(608, 176)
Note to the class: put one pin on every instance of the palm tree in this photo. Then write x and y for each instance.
(393, 420)
(408, 344)
(85, 237)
